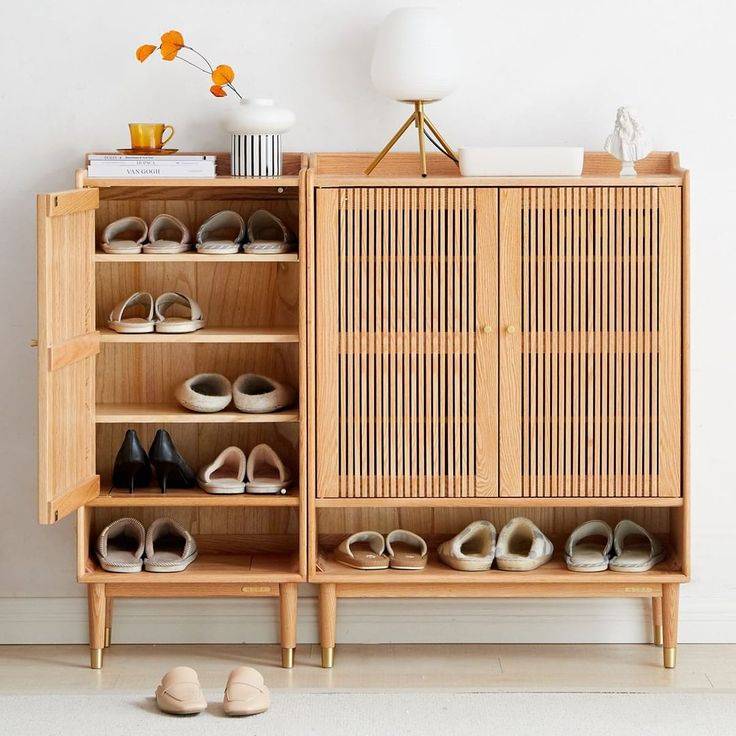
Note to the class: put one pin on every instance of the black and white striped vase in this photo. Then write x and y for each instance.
(255, 154)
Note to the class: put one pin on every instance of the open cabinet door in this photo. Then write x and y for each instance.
(67, 345)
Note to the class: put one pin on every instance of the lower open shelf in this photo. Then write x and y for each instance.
(555, 571)
(142, 497)
(209, 568)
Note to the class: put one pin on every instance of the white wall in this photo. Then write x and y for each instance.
(536, 72)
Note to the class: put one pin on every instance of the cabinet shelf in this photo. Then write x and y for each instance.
(495, 502)
(175, 414)
(101, 257)
(209, 568)
(192, 497)
(208, 335)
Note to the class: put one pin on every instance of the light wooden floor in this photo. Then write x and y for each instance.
(453, 667)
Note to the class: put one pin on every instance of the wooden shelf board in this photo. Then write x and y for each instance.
(190, 498)
(215, 181)
(175, 414)
(210, 568)
(494, 502)
(208, 335)
(554, 571)
(101, 257)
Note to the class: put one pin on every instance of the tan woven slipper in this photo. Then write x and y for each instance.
(363, 551)
(406, 550)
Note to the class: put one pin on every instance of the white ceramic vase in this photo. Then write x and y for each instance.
(255, 128)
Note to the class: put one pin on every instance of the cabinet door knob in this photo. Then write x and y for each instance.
(33, 342)
(511, 329)
(487, 329)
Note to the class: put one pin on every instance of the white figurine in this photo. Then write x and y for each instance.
(629, 141)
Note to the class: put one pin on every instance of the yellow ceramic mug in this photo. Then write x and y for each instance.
(149, 135)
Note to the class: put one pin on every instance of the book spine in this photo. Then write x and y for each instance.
(123, 158)
(144, 171)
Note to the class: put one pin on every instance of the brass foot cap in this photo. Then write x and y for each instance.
(658, 638)
(95, 659)
(328, 657)
(287, 657)
(108, 636)
(670, 657)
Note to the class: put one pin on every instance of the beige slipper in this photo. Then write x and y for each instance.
(192, 323)
(267, 234)
(406, 550)
(147, 323)
(254, 394)
(245, 693)
(125, 236)
(472, 549)
(221, 234)
(589, 546)
(120, 546)
(180, 692)
(169, 547)
(205, 393)
(266, 472)
(225, 474)
(636, 550)
(363, 551)
(167, 234)
(522, 546)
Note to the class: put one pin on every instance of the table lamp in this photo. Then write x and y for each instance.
(415, 61)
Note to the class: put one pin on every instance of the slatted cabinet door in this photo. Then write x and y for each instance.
(590, 339)
(67, 345)
(407, 344)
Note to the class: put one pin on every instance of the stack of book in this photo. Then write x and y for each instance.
(123, 166)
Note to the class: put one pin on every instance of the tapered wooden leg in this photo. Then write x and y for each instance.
(327, 622)
(96, 607)
(108, 621)
(657, 622)
(288, 601)
(670, 610)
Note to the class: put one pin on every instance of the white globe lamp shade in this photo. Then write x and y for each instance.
(415, 57)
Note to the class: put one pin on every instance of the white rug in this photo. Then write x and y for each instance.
(376, 714)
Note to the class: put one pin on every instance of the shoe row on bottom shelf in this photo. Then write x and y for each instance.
(263, 472)
(520, 546)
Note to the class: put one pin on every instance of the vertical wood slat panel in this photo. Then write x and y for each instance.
(401, 366)
(592, 386)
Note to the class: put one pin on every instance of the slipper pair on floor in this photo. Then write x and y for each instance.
(181, 694)
(155, 317)
(365, 551)
(230, 473)
(521, 545)
(222, 233)
(207, 393)
(125, 546)
(629, 548)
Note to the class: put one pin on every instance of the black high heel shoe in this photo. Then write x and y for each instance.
(171, 468)
(132, 468)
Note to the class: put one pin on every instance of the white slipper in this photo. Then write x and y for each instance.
(267, 234)
(135, 325)
(167, 234)
(584, 555)
(636, 550)
(205, 393)
(522, 546)
(169, 547)
(120, 546)
(222, 233)
(265, 471)
(472, 549)
(125, 235)
(254, 394)
(225, 474)
(194, 322)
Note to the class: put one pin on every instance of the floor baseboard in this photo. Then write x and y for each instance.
(255, 620)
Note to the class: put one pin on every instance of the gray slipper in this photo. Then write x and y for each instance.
(125, 235)
(267, 234)
(584, 555)
(120, 546)
(636, 549)
(222, 233)
(169, 547)
(167, 234)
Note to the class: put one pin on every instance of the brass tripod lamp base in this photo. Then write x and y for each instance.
(423, 123)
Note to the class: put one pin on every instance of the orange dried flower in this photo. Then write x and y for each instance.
(218, 91)
(171, 43)
(143, 52)
(222, 74)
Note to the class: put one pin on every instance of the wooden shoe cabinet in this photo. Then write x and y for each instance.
(487, 348)
(94, 384)
(464, 348)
